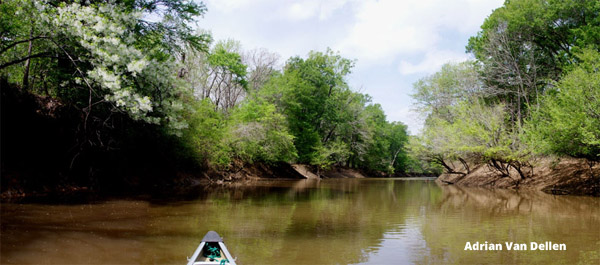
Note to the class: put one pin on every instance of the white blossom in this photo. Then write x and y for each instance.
(117, 66)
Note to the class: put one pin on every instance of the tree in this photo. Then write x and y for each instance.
(438, 98)
(475, 110)
(554, 29)
(376, 156)
(324, 156)
(331, 124)
(357, 131)
(108, 74)
(454, 82)
(525, 45)
(219, 75)
(262, 66)
(313, 95)
(227, 79)
(512, 68)
(206, 135)
(397, 151)
(420, 158)
(385, 144)
(94, 51)
(259, 133)
(568, 120)
(464, 123)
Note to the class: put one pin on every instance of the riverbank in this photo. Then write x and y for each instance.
(140, 183)
(304, 171)
(551, 175)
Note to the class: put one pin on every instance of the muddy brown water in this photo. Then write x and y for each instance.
(338, 221)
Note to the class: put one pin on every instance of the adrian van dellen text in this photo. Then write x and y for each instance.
(537, 246)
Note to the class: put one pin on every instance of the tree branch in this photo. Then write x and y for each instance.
(19, 42)
(41, 54)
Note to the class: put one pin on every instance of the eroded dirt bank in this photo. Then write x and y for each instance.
(152, 182)
(286, 171)
(551, 175)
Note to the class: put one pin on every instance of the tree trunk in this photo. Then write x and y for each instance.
(395, 156)
(28, 62)
(465, 165)
(329, 134)
(447, 167)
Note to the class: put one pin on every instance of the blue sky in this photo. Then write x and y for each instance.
(395, 42)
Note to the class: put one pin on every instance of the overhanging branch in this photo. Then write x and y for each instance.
(41, 54)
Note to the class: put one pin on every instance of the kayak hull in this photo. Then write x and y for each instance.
(211, 241)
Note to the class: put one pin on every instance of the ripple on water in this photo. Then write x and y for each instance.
(339, 221)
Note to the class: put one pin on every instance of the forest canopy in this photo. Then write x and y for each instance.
(126, 84)
(532, 90)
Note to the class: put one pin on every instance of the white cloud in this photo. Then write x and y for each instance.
(432, 62)
(327, 8)
(303, 10)
(387, 28)
(228, 5)
(285, 10)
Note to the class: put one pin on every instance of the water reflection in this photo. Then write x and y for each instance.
(498, 216)
(343, 221)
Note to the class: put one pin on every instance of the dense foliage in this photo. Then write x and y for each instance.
(330, 123)
(531, 90)
(568, 120)
(305, 113)
(133, 85)
(92, 83)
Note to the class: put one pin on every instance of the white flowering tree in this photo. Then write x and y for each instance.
(104, 57)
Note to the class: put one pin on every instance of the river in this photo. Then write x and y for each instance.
(334, 221)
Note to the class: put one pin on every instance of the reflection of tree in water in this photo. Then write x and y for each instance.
(498, 216)
(306, 222)
(311, 222)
